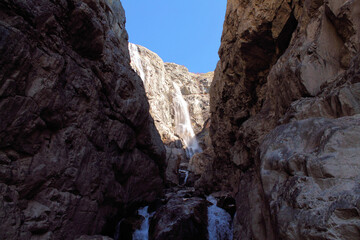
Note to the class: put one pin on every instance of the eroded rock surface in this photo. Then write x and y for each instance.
(164, 82)
(280, 61)
(310, 170)
(159, 79)
(78, 146)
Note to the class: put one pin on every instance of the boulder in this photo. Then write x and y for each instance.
(182, 217)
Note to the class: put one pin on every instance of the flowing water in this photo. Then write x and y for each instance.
(136, 60)
(219, 222)
(183, 126)
(143, 232)
(186, 175)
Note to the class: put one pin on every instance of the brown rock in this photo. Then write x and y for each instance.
(78, 146)
(280, 61)
(158, 78)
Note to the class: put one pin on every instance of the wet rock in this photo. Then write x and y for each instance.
(77, 142)
(181, 218)
(174, 157)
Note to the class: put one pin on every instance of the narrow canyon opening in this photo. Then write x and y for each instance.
(180, 106)
(105, 139)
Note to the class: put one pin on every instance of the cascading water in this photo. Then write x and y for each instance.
(136, 60)
(183, 123)
(186, 175)
(143, 232)
(219, 222)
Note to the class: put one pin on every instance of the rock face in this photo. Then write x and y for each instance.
(310, 172)
(167, 85)
(281, 62)
(78, 147)
(159, 79)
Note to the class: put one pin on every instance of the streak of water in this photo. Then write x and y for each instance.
(219, 222)
(136, 60)
(143, 232)
(183, 126)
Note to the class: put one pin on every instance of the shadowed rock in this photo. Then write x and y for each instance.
(78, 147)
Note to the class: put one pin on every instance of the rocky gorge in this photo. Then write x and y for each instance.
(101, 139)
(284, 118)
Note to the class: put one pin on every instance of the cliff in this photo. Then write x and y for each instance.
(179, 103)
(78, 147)
(160, 79)
(293, 64)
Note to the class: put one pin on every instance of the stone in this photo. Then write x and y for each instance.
(77, 143)
(280, 62)
(180, 218)
(159, 79)
(310, 171)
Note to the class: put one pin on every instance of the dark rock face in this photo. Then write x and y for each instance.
(280, 62)
(77, 143)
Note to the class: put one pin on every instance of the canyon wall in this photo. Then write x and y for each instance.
(160, 79)
(292, 64)
(78, 147)
(179, 103)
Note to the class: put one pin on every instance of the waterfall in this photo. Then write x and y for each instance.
(183, 126)
(143, 232)
(136, 61)
(186, 173)
(219, 222)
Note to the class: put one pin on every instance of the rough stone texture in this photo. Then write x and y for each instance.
(159, 78)
(195, 88)
(182, 217)
(77, 143)
(280, 61)
(310, 171)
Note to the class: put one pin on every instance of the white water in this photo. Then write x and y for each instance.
(219, 222)
(186, 172)
(143, 232)
(183, 126)
(136, 61)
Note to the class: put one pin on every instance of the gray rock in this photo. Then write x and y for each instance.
(310, 171)
(280, 62)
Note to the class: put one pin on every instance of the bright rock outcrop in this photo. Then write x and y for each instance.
(163, 83)
(286, 62)
(179, 104)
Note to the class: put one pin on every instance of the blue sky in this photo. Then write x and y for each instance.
(185, 32)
